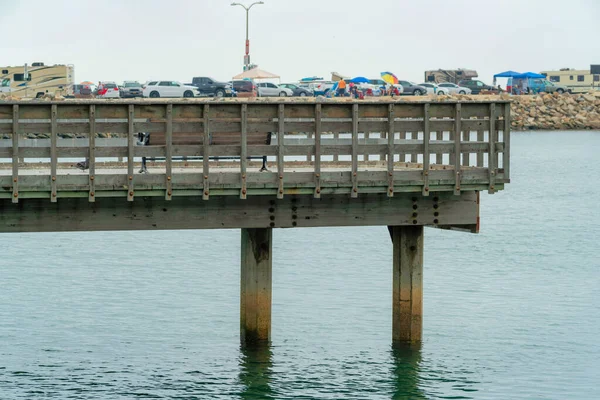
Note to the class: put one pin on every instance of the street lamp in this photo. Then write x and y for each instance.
(247, 56)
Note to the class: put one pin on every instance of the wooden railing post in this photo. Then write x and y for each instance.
(457, 129)
(169, 152)
(280, 149)
(206, 152)
(15, 153)
(53, 153)
(244, 150)
(92, 153)
(318, 113)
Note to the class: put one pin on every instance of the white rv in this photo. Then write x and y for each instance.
(37, 80)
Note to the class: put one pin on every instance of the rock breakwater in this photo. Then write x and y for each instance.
(556, 111)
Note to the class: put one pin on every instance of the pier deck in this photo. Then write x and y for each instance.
(391, 163)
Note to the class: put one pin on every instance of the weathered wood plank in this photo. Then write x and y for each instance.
(169, 152)
(243, 151)
(354, 150)
(53, 155)
(492, 153)
(130, 147)
(281, 149)
(206, 149)
(15, 153)
(390, 151)
(318, 116)
(506, 140)
(457, 147)
(92, 153)
(426, 137)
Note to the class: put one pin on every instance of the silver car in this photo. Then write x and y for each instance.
(432, 88)
(453, 88)
(268, 89)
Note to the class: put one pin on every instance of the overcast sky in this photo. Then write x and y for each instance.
(178, 39)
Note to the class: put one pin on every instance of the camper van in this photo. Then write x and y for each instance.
(37, 80)
(576, 81)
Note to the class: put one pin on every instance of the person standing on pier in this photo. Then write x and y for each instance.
(341, 91)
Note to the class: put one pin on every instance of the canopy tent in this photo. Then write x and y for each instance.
(527, 75)
(256, 73)
(507, 74)
(359, 79)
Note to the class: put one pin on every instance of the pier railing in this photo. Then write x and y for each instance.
(312, 147)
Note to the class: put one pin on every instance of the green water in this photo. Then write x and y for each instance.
(511, 313)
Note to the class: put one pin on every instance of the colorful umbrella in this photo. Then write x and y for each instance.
(87, 83)
(389, 78)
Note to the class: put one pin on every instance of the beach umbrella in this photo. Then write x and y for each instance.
(87, 83)
(359, 79)
(389, 78)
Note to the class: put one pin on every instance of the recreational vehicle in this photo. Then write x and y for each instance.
(575, 80)
(37, 80)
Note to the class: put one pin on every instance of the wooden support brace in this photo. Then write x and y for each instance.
(439, 157)
(506, 140)
(169, 153)
(206, 153)
(280, 150)
(492, 149)
(244, 150)
(53, 153)
(15, 153)
(255, 287)
(402, 155)
(390, 156)
(466, 155)
(92, 154)
(426, 137)
(130, 152)
(407, 308)
(318, 128)
(354, 192)
(480, 138)
(457, 167)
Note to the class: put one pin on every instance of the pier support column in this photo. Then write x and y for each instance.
(255, 299)
(407, 314)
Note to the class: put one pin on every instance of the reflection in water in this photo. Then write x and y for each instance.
(255, 372)
(406, 359)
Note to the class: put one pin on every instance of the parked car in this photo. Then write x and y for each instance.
(432, 88)
(475, 85)
(268, 89)
(319, 88)
(131, 89)
(108, 90)
(169, 89)
(411, 88)
(82, 90)
(453, 88)
(244, 86)
(211, 87)
(297, 90)
(543, 85)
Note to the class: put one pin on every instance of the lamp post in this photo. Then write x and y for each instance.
(247, 55)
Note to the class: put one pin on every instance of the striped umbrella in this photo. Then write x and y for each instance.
(389, 78)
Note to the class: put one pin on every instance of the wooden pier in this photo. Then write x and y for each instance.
(404, 165)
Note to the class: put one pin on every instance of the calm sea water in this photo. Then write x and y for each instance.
(511, 313)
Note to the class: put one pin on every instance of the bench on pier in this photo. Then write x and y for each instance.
(195, 139)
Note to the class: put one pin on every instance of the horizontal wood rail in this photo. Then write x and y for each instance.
(315, 147)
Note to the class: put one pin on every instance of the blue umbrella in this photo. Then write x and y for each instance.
(359, 79)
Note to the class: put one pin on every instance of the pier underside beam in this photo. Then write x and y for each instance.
(407, 308)
(442, 210)
(255, 288)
